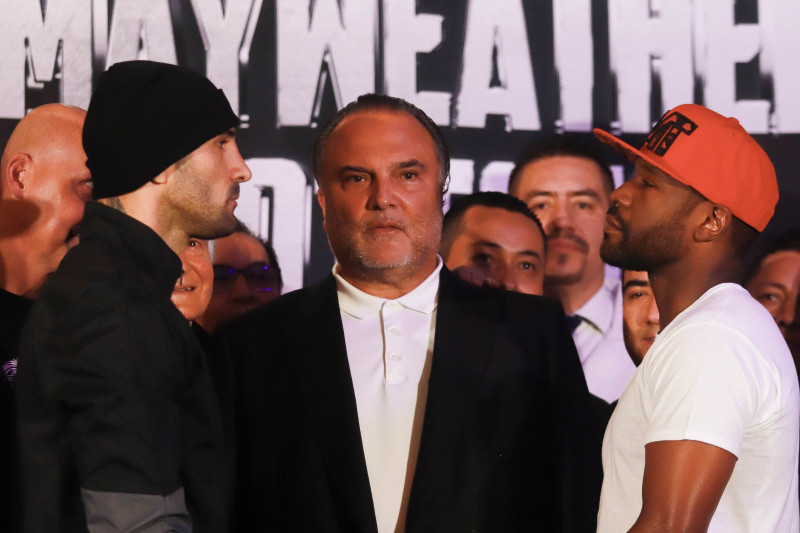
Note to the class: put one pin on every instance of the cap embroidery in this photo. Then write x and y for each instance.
(667, 131)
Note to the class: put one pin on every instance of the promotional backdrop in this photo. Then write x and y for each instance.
(494, 74)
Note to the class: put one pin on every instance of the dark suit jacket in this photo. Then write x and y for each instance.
(504, 443)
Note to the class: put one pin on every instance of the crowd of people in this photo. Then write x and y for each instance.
(479, 370)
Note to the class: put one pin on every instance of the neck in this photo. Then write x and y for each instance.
(573, 296)
(388, 283)
(678, 286)
(144, 205)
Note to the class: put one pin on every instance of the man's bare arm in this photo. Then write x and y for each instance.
(682, 486)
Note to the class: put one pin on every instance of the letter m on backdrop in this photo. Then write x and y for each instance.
(40, 41)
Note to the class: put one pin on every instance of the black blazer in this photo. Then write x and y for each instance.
(506, 443)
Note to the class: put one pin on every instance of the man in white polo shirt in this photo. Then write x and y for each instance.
(393, 396)
(705, 437)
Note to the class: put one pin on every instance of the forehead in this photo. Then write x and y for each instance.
(633, 275)
(510, 230)
(378, 137)
(562, 174)
(784, 264)
(239, 250)
(644, 168)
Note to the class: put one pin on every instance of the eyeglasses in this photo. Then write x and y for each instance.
(260, 277)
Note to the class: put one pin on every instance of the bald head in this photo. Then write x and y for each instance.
(44, 183)
(43, 131)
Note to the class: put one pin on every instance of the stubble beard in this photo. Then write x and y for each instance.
(195, 208)
(646, 251)
(558, 273)
(354, 244)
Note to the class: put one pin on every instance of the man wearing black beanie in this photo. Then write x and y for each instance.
(120, 430)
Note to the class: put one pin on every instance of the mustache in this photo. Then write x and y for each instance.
(234, 191)
(563, 233)
(383, 220)
(613, 212)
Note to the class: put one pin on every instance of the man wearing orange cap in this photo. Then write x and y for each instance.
(705, 437)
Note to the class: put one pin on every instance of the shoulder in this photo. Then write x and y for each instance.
(299, 305)
(528, 314)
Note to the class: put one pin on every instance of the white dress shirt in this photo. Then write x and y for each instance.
(601, 347)
(389, 347)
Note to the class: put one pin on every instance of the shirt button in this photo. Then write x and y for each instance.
(394, 329)
(396, 357)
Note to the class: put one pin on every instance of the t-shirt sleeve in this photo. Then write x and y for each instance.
(700, 388)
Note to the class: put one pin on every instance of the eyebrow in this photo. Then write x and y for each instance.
(352, 168)
(490, 244)
(634, 283)
(774, 284)
(581, 192)
(410, 163)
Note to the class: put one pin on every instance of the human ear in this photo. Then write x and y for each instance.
(321, 202)
(18, 174)
(165, 176)
(715, 224)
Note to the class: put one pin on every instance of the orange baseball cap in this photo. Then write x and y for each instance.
(714, 155)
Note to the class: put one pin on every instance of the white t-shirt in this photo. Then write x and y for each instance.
(719, 373)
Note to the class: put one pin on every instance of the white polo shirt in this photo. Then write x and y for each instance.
(389, 347)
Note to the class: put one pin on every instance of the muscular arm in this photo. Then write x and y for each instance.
(683, 483)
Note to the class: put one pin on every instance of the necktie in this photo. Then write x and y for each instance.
(573, 321)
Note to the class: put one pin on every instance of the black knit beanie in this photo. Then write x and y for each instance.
(143, 117)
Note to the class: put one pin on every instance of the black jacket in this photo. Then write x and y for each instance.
(506, 441)
(117, 410)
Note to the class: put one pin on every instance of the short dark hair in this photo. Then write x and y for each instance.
(382, 102)
(241, 227)
(787, 241)
(560, 145)
(451, 225)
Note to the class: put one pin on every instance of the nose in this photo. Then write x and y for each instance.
(382, 193)
(241, 289)
(652, 312)
(620, 196)
(562, 216)
(504, 275)
(240, 172)
(786, 312)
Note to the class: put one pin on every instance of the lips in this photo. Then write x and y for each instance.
(613, 223)
(183, 289)
(385, 224)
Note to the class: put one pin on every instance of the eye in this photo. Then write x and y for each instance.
(537, 206)
(194, 242)
(584, 205)
(355, 178)
(409, 175)
(769, 298)
(527, 266)
(481, 259)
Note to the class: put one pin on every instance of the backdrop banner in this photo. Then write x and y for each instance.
(494, 74)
